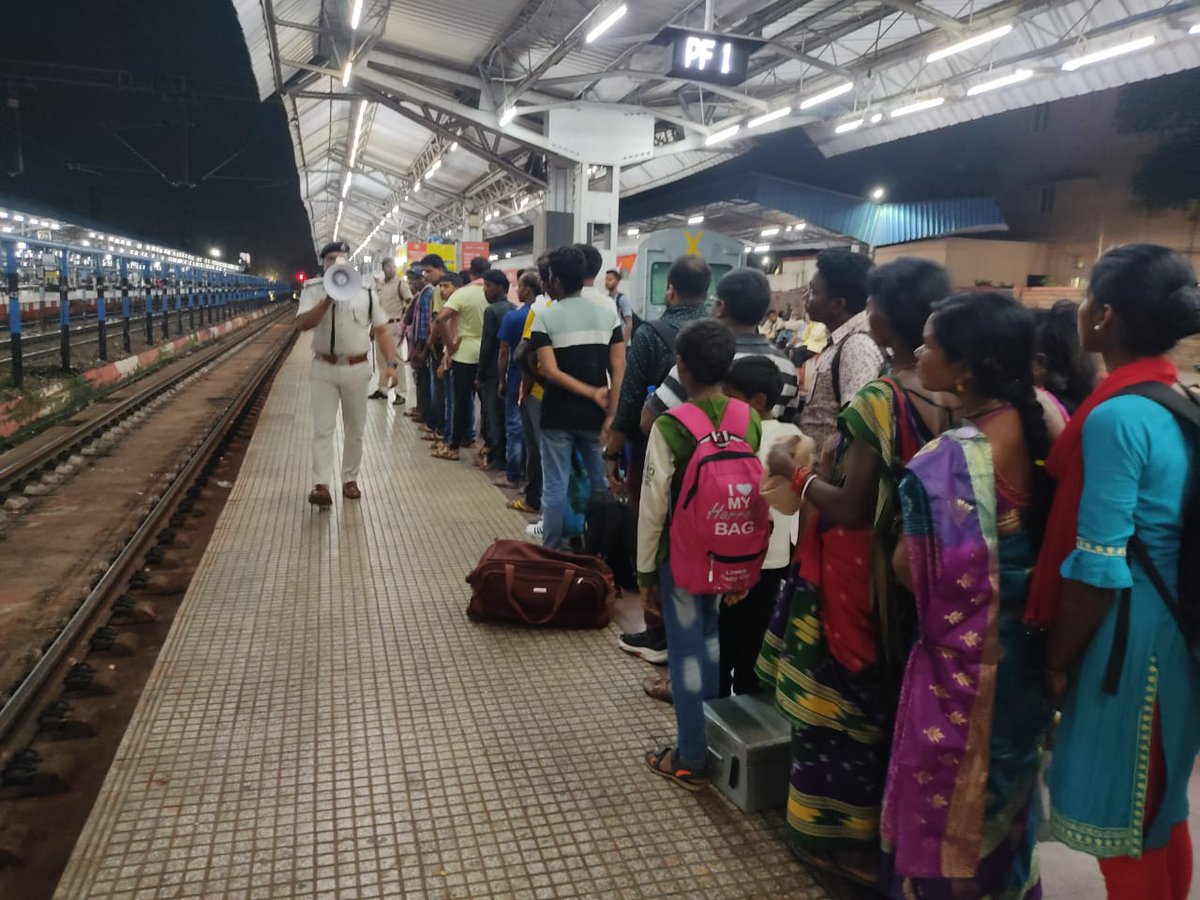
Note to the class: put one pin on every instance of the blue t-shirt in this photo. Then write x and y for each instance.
(511, 329)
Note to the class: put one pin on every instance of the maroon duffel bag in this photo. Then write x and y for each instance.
(527, 584)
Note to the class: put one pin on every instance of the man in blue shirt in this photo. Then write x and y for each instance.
(509, 335)
(432, 269)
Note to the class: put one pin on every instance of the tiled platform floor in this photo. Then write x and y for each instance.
(325, 722)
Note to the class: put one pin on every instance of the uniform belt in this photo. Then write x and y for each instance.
(333, 359)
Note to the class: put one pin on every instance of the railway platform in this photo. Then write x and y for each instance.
(325, 722)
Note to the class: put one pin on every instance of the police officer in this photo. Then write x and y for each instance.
(339, 375)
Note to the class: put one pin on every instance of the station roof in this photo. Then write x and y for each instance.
(801, 215)
(395, 106)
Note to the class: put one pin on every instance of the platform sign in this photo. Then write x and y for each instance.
(468, 250)
(715, 58)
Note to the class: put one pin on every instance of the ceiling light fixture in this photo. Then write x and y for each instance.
(1195, 29)
(609, 21)
(970, 43)
(878, 193)
(763, 248)
(362, 108)
(722, 135)
(632, 232)
(877, 118)
(346, 73)
(996, 83)
(696, 220)
(800, 226)
(848, 126)
(346, 184)
(917, 107)
(770, 232)
(508, 115)
(356, 14)
(769, 117)
(1100, 55)
(827, 95)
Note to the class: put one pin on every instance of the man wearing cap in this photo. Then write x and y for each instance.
(339, 375)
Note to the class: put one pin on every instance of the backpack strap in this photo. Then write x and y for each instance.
(694, 419)
(667, 333)
(1186, 410)
(736, 418)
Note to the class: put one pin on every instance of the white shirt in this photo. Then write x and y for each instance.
(354, 319)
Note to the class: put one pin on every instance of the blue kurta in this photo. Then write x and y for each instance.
(1136, 465)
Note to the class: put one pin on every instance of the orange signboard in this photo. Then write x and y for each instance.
(468, 250)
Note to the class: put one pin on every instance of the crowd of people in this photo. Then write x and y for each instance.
(982, 531)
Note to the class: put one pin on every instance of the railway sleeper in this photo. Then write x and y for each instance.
(63, 720)
(109, 642)
(84, 679)
(131, 611)
(34, 772)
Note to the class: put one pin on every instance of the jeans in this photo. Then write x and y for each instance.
(692, 633)
(514, 437)
(557, 447)
(463, 384)
(742, 628)
(531, 422)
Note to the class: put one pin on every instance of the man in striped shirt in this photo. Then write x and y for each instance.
(741, 302)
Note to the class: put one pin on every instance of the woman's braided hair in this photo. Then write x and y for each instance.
(993, 336)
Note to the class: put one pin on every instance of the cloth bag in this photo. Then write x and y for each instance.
(526, 584)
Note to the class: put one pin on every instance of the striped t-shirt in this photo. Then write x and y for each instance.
(581, 330)
(670, 393)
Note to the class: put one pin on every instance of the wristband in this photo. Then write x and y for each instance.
(799, 477)
(393, 364)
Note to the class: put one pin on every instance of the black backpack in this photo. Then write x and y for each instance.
(1186, 607)
(610, 532)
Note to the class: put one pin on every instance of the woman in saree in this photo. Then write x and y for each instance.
(841, 630)
(1117, 659)
(959, 819)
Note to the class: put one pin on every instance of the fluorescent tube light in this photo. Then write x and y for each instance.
(996, 83)
(986, 38)
(722, 135)
(1100, 55)
(827, 95)
(769, 117)
(609, 21)
(917, 107)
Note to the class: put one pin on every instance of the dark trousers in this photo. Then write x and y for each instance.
(491, 405)
(463, 384)
(421, 377)
(531, 422)
(437, 394)
(741, 630)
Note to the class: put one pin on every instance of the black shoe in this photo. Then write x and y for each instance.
(649, 645)
(378, 395)
(399, 401)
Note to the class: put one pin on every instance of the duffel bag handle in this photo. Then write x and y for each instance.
(510, 575)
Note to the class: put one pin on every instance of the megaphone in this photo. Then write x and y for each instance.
(342, 282)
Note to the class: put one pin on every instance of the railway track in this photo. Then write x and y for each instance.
(39, 709)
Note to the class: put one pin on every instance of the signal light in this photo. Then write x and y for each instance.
(300, 276)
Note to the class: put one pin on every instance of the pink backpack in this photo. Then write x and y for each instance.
(721, 523)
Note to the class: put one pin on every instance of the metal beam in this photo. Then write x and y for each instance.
(636, 74)
(932, 16)
(463, 141)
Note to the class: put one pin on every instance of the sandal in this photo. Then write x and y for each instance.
(658, 687)
(444, 453)
(521, 506)
(662, 762)
(431, 436)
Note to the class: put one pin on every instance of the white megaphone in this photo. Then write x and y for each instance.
(342, 282)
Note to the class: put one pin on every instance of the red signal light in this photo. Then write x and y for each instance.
(300, 276)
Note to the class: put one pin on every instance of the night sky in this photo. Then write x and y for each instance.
(134, 162)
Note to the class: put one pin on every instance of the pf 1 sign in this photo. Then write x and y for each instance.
(715, 58)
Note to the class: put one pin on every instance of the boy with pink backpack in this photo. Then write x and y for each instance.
(703, 529)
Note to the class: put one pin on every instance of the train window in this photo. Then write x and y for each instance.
(658, 280)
